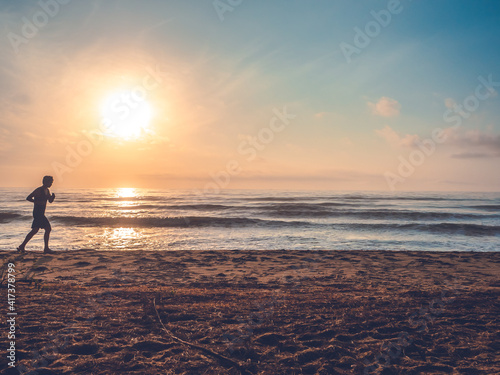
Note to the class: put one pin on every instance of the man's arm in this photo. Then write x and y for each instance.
(31, 197)
(52, 197)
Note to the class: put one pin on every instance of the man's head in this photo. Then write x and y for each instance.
(47, 181)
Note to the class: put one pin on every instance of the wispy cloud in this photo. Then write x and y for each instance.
(474, 144)
(396, 140)
(475, 155)
(470, 144)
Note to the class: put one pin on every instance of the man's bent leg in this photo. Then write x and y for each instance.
(28, 238)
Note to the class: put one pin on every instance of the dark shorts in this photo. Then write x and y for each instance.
(40, 221)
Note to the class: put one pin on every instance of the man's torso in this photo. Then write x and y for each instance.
(41, 196)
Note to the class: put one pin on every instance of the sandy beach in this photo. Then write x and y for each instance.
(255, 312)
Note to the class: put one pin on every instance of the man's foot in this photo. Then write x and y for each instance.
(21, 249)
(48, 251)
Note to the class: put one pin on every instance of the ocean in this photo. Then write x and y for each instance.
(162, 220)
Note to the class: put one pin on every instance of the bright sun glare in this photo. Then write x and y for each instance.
(126, 115)
(126, 193)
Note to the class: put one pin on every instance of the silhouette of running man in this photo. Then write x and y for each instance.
(39, 197)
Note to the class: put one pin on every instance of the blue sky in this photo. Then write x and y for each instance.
(222, 81)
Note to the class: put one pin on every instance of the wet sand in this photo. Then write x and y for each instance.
(269, 312)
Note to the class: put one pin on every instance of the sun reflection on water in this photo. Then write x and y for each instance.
(126, 198)
(123, 237)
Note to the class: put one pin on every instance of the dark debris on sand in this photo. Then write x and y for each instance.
(311, 330)
(323, 325)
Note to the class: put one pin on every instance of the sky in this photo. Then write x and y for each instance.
(212, 95)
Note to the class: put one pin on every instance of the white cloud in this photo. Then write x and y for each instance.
(385, 107)
(396, 140)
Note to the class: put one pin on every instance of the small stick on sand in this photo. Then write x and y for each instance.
(220, 357)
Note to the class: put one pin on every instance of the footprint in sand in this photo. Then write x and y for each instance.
(82, 264)
(82, 349)
(152, 346)
(40, 269)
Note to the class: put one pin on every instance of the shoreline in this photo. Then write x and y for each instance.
(82, 265)
(272, 311)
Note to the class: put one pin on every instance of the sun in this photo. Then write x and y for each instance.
(126, 115)
(126, 193)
